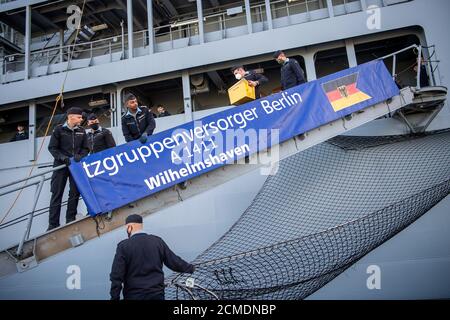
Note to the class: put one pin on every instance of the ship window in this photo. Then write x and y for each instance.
(219, 81)
(209, 89)
(96, 103)
(168, 93)
(330, 61)
(10, 120)
(406, 76)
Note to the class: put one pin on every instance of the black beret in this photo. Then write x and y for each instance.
(75, 110)
(133, 218)
(92, 116)
(277, 53)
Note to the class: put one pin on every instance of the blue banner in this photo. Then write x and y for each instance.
(115, 177)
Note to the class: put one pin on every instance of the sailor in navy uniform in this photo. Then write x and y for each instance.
(137, 268)
(138, 122)
(68, 140)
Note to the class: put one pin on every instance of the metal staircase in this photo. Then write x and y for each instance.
(85, 35)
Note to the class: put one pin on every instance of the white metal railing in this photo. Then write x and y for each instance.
(10, 34)
(41, 178)
(175, 32)
(431, 64)
(170, 32)
(184, 29)
(286, 8)
(16, 62)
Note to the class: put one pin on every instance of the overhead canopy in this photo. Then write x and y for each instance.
(49, 17)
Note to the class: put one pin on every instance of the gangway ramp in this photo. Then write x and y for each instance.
(91, 229)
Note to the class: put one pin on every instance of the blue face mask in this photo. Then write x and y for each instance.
(94, 126)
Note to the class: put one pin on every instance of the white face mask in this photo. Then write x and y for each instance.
(238, 76)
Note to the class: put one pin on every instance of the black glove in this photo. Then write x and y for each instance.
(77, 157)
(66, 160)
(143, 138)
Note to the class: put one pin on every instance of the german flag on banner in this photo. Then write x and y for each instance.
(343, 93)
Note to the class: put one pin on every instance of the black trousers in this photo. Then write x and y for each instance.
(58, 183)
(159, 295)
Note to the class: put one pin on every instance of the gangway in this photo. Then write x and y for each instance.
(30, 252)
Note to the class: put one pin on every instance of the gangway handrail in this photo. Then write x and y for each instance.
(419, 62)
(37, 213)
(32, 176)
(26, 234)
(394, 62)
(22, 187)
(400, 51)
(297, 144)
(39, 184)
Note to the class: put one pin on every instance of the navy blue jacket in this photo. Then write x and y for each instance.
(24, 135)
(133, 128)
(100, 140)
(253, 76)
(65, 143)
(138, 265)
(291, 74)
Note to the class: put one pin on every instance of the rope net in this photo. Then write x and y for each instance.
(324, 209)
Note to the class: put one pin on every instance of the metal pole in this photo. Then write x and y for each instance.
(222, 30)
(112, 102)
(363, 5)
(18, 188)
(419, 66)
(248, 13)
(269, 14)
(27, 41)
(130, 28)
(26, 235)
(123, 40)
(33, 176)
(351, 54)
(201, 33)
(310, 67)
(61, 44)
(31, 131)
(330, 8)
(187, 96)
(394, 64)
(151, 32)
(119, 104)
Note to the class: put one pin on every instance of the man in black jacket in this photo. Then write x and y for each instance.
(21, 134)
(99, 138)
(67, 140)
(162, 112)
(291, 73)
(138, 122)
(138, 264)
(254, 79)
